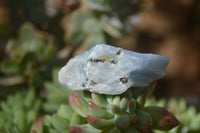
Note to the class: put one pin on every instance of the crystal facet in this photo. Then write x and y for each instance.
(111, 70)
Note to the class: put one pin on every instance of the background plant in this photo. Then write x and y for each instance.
(29, 60)
(19, 111)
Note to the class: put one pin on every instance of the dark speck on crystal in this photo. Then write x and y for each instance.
(113, 61)
(97, 60)
(119, 52)
(83, 84)
(124, 80)
(92, 82)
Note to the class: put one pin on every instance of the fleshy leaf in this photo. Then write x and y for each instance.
(122, 122)
(124, 104)
(86, 128)
(132, 105)
(99, 99)
(98, 111)
(78, 104)
(162, 119)
(99, 123)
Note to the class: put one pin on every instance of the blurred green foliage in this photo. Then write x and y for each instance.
(56, 94)
(19, 111)
(27, 10)
(28, 60)
(98, 21)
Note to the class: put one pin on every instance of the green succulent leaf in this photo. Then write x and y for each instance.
(99, 123)
(162, 119)
(78, 104)
(188, 116)
(86, 128)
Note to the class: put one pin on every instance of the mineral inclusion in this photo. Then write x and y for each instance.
(111, 70)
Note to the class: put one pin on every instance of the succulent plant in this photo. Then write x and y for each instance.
(19, 112)
(100, 113)
(121, 113)
(188, 116)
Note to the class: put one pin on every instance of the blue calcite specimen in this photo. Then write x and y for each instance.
(110, 70)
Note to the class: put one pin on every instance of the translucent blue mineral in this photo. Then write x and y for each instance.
(111, 70)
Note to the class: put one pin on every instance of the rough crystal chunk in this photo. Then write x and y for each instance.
(110, 70)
